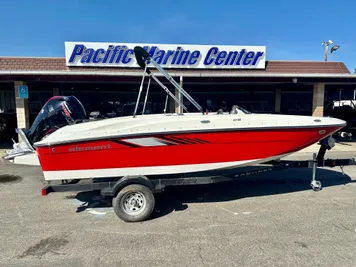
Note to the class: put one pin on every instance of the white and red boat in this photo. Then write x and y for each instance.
(168, 144)
(70, 147)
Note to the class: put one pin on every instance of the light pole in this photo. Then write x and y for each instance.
(326, 44)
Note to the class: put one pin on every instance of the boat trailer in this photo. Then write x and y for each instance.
(133, 196)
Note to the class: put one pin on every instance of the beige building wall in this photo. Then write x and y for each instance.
(22, 111)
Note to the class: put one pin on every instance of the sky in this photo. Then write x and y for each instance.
(290, 30)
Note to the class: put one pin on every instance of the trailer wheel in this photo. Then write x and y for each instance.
(134, 203)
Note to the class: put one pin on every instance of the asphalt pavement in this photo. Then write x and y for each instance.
(272, 219)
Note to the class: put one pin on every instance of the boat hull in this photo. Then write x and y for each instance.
(174, 153)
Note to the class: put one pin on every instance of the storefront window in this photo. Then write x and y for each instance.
(7, 102)
(7, 114)
(256, 102)
(297, 102)
(117, 103)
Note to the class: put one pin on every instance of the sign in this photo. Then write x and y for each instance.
(93, 54)
(23, 91)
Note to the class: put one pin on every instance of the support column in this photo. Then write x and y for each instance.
(178, 95)
(171, 104)
(22, 111)
(318, 99)
(55, 91)
(277, 102)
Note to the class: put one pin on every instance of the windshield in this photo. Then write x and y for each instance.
(243, 110)
(59, 111)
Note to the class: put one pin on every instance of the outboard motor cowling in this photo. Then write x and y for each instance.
(59, 111)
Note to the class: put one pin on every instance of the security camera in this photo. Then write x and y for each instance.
(294, 80)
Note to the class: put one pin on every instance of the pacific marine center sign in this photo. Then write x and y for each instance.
(95, 54)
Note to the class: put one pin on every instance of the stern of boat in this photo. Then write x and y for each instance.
(22, 152)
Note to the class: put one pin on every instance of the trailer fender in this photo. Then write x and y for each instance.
(127, 180)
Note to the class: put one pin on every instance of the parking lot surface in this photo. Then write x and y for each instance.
(273, 219)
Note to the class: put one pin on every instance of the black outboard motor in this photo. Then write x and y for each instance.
(58, 112)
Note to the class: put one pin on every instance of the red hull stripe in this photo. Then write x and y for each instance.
(222, 147)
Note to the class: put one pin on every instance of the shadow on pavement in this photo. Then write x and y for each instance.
(177, 198)
(9, 178)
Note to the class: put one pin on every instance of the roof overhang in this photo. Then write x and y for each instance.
(184, 74)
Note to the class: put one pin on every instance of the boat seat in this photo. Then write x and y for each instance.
(234, 110)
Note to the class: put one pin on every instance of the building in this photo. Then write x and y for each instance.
(105, 76)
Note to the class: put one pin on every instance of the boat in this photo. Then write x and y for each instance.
(344, 110)
(69, 146)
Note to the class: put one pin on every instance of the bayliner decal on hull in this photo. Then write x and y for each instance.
(160, 141)
(133, 143)
(86, 148)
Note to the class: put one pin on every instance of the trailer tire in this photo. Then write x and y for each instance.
(134, 203)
